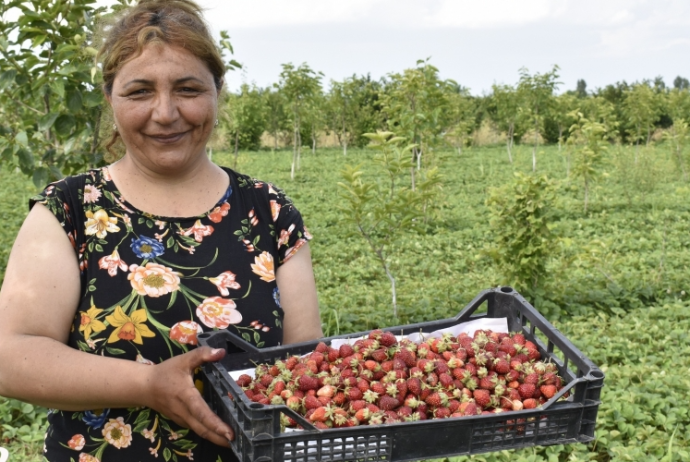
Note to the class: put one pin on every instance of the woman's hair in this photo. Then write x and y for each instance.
(172, 22)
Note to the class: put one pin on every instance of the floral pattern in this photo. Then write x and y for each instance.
(152, 284)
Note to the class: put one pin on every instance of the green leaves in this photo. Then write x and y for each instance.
(522, 243)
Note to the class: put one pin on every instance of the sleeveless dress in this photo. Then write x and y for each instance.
(151, 284)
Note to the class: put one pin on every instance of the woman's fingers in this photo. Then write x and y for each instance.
(174, 395)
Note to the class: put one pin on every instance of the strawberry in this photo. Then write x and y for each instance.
(436, 399)
(446, 380)
(307, 382)
(266, 380)
(441, 413)
(321, 347)
(387, 403)
(346, 350)
(387, 339)
(404, 412)
(501, 366)
(518, 338)
(481, 397)
(526, 390)
(320, 414)
(407, 356)
(489, 382)
(548, 391)
(326, 391)
(311, 402)
(244, 380)
(379, 355)
(414, 386)
(333, 355)
(529, 403)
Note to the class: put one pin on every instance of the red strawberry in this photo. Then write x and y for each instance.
(326, 391)
(446, 380)
(548, 390)
(501, 366)
(307, 382)
(320, 414)
(321, 347)
(346, 350)
(379, 355)
(311, 402)
(529, 403)
(526, 390)
(414, 386)
(243, 380)
(441, 413)
(333, 355)
(387, 339)
(353, 393)
(266, 380)
(388, 403)
(481, 397)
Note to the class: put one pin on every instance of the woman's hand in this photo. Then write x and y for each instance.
(173, 394)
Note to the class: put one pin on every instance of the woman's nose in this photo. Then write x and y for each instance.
(165, 109)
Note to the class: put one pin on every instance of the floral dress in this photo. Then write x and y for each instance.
(151, 284)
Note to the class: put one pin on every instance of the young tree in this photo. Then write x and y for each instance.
(536, 97)
(506, 104)
(382, 210)
(246, 118)
(49, 88)
(416, 103)
(589, 138)
(641, 108)
(341, 113)
(277, 120)
(298, 85)
(461, 117)
(562, 114)
(523, 241)
(581, 90)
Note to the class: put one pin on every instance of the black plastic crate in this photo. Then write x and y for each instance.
(258, 436)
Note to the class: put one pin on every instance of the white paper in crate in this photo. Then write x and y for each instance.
(469, 328)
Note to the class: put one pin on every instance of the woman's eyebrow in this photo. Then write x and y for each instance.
(151, 82)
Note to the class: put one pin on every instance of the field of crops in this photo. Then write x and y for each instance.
(617, 287)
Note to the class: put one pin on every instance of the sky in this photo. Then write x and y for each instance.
(477, 43)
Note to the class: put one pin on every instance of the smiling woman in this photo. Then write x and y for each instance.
(116, 271)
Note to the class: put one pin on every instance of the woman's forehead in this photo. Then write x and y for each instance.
(160, 62)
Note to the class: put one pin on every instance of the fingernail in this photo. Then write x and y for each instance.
(229, 436)
(215, 351)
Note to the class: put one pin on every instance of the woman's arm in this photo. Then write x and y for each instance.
(38, 300)
(295, 279)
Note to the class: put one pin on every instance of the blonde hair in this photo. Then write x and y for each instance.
(172, 22)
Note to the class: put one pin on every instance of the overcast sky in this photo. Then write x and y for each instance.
(474, 42)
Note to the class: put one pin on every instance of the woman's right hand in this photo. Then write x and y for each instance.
(171, 391)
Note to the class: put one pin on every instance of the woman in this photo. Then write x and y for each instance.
(101, 307)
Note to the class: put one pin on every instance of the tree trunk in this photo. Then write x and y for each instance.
(294, 153)
(394, 297)
(237, 144)
(299, 149)
(313, 141)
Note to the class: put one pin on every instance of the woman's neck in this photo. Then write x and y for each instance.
(185, 194)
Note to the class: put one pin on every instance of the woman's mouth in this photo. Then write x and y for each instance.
(167, 138)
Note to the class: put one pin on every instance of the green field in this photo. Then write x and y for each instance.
(618, 276)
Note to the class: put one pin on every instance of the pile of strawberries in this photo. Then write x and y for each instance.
(378, 380)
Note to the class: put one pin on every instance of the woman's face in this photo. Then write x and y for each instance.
(165, 104)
